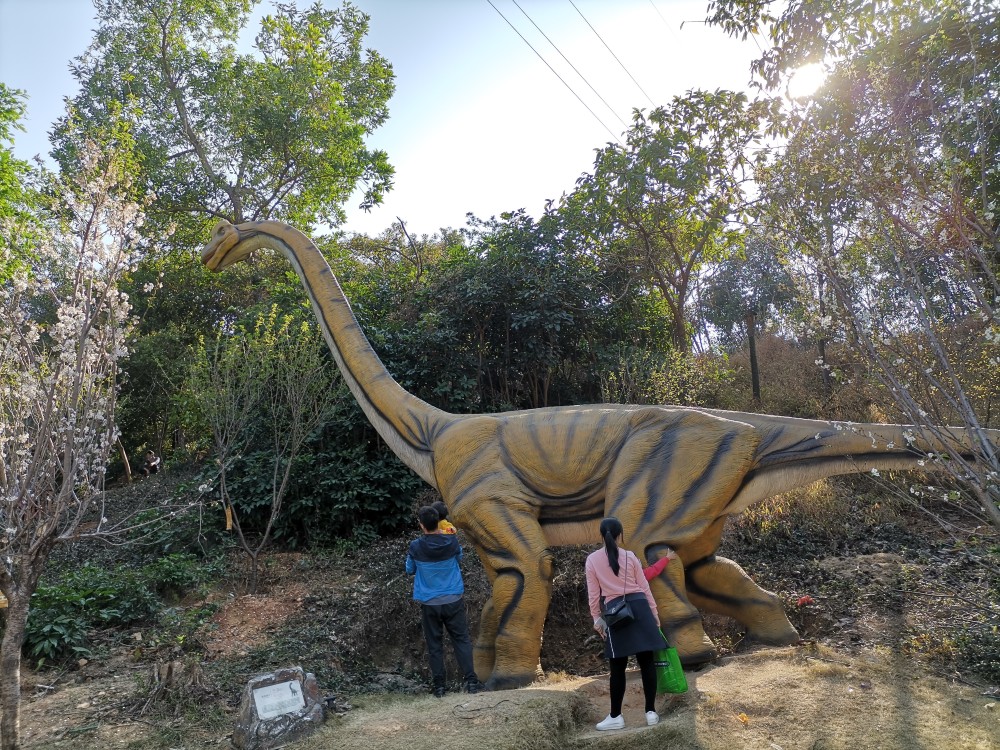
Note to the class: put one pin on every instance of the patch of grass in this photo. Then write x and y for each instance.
(507, 720)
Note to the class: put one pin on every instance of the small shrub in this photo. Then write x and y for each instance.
(56, 637)
(978, 649)
(174, 576)
(178, 625)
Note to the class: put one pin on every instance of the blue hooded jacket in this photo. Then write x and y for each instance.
(434, 559)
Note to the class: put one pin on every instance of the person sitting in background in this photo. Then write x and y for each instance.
(151, 465)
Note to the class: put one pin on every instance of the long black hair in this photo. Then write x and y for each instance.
(611, 529)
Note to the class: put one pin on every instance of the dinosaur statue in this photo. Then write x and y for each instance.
(520, 482)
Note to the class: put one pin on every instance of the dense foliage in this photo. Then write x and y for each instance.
(729, 239)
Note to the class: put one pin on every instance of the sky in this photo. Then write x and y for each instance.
(483, 120)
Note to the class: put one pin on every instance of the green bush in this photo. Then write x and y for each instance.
(63, 612)
(56, 636)
(91, 597)
(175, 575)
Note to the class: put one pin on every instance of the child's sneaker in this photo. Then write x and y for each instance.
(652, 718)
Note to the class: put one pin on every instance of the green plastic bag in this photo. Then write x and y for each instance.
(669, 673)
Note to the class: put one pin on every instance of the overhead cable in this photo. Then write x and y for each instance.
(612, 54)
(663, 18)
(569, 63)
(554, 71)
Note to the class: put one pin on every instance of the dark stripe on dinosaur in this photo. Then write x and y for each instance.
(700, 562)
(473, 457)
(768, 438)
(584, 510)
(515, 599)
(460, 496)
(497, 552)
(509, 522)
(660, 459)
(732, 601)
(326, 270)
(592, 490)
(691, 496)
(579, 517)
(623, 492)
(676, 623)
(533, 435)
(569, 434)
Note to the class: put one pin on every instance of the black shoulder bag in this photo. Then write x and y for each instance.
(617, 612)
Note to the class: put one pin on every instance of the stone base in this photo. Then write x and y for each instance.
(278, 708)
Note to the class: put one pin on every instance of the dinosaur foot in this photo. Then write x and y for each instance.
(509, 681)
(697, 658)
(780, 633)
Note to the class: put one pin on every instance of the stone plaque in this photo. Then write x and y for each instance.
(278, 708)
(280, 698)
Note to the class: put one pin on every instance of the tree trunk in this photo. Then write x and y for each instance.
(128, 467)
(10, 670)
(754, 368)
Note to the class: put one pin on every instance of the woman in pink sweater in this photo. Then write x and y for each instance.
(613, 572)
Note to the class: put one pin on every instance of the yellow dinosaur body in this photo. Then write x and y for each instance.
(519, 482)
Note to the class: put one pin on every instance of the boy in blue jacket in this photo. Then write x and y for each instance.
(433, 559)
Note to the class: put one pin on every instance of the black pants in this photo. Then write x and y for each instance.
(648, 671)
(436, 618)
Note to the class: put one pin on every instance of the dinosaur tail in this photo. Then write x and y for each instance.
(793, 452)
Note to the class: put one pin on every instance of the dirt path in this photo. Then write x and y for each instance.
(797, 698)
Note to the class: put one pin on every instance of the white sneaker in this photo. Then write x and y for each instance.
(652, 718)
(612, 722)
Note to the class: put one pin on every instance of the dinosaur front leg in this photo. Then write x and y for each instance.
(484, 651)
(511, 544)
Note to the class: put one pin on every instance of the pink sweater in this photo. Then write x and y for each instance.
(602, 580)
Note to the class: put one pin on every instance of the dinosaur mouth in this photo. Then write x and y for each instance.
(224, 238)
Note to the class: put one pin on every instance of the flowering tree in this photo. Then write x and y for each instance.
(890, 184)
(63, 328)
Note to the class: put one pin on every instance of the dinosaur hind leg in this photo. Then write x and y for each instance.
(718, 585)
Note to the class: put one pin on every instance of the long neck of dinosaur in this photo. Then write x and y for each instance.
(405, 422)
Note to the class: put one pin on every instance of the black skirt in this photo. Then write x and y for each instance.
(638, 635)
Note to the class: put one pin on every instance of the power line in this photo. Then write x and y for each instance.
(612, 53)
(569, 63)
(554, 71)
(665, 22)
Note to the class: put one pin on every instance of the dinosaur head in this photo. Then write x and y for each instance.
(229, 245)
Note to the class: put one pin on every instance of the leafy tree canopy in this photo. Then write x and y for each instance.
(277, 134)
(16, 198)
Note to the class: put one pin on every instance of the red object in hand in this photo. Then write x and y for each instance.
(804, 600)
